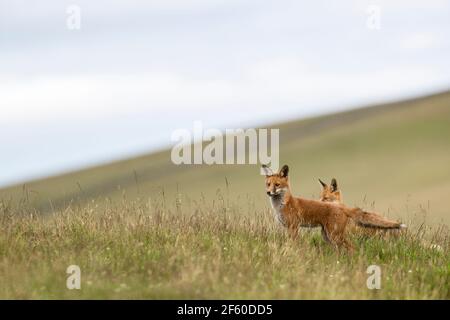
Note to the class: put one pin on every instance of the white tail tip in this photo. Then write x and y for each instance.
(403, 226)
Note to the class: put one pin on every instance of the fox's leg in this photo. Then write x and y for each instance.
(329, 235)
(293, 231)
(335, 233)
(347, 245)
(325, 236)
(339, 241)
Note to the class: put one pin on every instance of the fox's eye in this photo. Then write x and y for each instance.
(277, 184)
(268, 184)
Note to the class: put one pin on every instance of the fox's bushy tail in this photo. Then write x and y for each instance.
(373, 220)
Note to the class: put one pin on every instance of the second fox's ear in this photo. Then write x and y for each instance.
(334, 185)
(266, 170)
(324, 185)
(284, 171)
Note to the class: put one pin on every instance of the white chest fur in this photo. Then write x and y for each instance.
(277, 205)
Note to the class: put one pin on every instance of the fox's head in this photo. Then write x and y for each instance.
(276, 183)
(330, 193)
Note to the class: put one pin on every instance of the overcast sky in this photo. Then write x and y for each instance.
(135, 71)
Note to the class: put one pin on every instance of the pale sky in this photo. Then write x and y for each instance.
(136, 71)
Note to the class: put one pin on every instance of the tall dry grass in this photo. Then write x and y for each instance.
(225, 248)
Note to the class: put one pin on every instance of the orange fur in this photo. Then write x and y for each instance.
(294, 212)
(331, 193)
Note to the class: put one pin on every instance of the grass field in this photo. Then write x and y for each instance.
(167, 250)
(145, 228)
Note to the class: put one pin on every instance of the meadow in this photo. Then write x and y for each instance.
(224, 249)
(145, 228)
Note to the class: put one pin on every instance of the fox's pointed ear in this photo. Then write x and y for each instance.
(266, 170)
(334, 185)
(284, 171)
(324, 185)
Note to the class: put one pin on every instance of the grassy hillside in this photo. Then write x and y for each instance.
(145, 228)
(393, 157)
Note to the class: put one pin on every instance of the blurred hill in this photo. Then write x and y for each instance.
(393, 157)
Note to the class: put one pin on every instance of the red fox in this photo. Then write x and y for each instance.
(331, 193)
(294, 212)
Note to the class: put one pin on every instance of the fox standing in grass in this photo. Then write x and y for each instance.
(293, 212)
